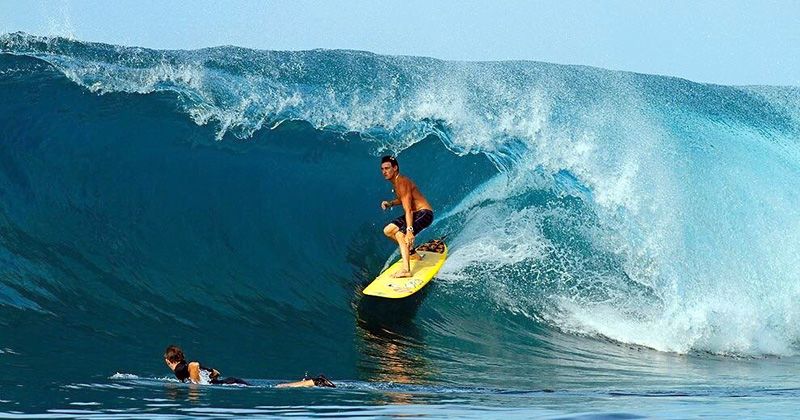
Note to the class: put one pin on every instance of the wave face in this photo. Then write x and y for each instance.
(226, 198)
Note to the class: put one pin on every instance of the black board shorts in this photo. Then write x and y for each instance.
(420, 220)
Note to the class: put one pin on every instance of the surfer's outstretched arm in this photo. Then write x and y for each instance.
(387, 204)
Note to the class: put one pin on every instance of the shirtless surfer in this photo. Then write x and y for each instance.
(194, 371)
(417, 212)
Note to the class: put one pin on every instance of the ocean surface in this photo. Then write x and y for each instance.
(622, 245)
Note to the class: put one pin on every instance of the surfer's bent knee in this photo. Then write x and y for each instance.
(391, 230)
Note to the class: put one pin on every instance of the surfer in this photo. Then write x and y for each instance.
(417, 212)
(194, 372)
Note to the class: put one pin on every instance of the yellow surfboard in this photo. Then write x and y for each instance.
(433, 254)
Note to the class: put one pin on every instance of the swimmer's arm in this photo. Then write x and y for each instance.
(212, 373)
(194, 372)
(299, 384)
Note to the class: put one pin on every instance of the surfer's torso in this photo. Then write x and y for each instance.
(418, 201)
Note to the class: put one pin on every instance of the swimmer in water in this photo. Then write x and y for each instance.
(194, 372)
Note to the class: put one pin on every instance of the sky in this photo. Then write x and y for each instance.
(725, 41)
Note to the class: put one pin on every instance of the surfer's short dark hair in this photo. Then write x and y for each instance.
(174, 354)
(390, 159)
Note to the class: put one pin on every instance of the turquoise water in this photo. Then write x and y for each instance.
(621, 245)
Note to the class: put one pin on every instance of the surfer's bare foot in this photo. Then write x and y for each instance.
(402, 274)
(414, 257)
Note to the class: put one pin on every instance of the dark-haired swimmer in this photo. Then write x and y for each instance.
(417, 212)
(194, 371)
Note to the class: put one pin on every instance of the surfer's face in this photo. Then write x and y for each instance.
(388, 170)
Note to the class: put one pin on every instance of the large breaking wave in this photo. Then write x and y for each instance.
(171, 193)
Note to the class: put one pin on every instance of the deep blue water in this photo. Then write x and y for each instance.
(621, 245)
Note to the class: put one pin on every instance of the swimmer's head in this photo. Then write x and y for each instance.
(174, 354)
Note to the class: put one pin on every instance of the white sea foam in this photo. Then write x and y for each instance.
(123, 376)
